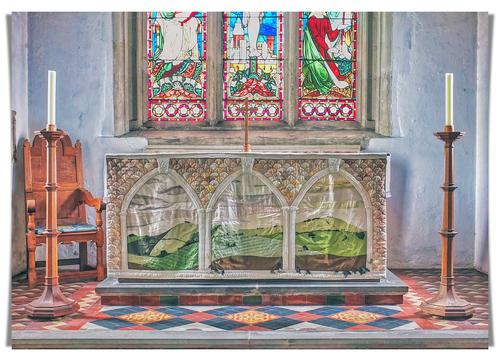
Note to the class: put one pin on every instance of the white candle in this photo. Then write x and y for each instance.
(51, 99)
(449, 99)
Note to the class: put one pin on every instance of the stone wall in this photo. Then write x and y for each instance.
(425, 46)
(79, 47)
(19, 103)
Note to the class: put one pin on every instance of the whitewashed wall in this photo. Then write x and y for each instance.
(79, 47)
(425, 46)
(19, 103)
(485, 22)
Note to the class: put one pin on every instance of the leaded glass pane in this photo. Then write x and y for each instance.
(247, 227)
(162, 227)
(331, 227)
(253, 64)
(176, 66)
(327, 65)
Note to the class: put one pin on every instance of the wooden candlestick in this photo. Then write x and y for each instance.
(52, 303)
(446, 303)
(246, 145)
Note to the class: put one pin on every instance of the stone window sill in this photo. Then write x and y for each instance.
(231, 139)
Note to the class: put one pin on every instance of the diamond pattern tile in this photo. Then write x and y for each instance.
(164, 324)
(251, 317)
(356, 316)
(222, 311)
(275, 310)
(388, 323)
(386, 311)
(146, 317)
(327, 310)
(176, 311)
(126, 310)
(278, 323)
(224, 323)
(333, 323)
(112, 323)
(471, 285)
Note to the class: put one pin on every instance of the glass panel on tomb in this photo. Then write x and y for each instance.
(162, 227)
(331, 227)
(327, 65)
(247, 227)
(176, 52)
(253, 64)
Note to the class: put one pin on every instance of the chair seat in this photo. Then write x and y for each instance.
(70, 228)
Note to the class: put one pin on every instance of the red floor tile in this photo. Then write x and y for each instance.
(198, 316)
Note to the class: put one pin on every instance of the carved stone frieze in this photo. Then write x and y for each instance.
(163, 164)
(288, 175)
(121, 176)
(204, 175)
(371, 174)
(247, 164)
(334, 164)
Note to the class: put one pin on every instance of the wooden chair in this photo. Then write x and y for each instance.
(72, 198)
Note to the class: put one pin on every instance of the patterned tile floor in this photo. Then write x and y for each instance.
(422, 284)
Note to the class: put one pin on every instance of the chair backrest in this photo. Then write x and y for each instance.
(69, 179)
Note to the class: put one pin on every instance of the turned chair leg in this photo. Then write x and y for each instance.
(82, 251)
(31, 246)
(100, 249)
(100, 261)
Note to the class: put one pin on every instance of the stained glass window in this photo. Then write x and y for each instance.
(327, 65)
(176, 50)
(253, 64)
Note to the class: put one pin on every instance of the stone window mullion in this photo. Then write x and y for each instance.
(290, 45)
(214, 68)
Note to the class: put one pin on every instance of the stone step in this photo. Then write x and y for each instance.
(386, 291)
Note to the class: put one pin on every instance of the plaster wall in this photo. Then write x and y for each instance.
(484, 29)
(19, 103)
(79, 47)
(424, 47)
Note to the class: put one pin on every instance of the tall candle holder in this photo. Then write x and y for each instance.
(447, 303)
(52, 303)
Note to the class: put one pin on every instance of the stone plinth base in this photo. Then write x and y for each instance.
(388, 291)
(152, 339)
